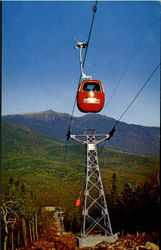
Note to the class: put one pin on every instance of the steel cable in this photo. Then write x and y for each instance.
(146, 82)
(132, 101)
(84, 59)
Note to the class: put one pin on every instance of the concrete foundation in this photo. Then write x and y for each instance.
(90, 241)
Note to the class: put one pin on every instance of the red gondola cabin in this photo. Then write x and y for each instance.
(90, 96)
(78, 202)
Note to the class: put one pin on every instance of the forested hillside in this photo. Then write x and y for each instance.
(44, 163)
(36, 172)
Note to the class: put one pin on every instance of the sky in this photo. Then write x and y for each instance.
(40, 67)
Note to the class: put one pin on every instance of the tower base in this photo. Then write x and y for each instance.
(91, 241)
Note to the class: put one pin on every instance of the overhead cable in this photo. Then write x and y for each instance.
(84, 59)
(146, 82)
(132, 101)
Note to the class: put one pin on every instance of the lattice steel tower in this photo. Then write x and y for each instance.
(95, 211)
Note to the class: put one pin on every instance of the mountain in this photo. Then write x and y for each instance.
(131, 138)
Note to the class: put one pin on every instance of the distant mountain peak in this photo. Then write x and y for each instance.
(39, 112)
(48, 114)
(49, 111)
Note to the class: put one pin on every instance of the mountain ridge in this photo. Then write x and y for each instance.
(51, 112)
(132, 138)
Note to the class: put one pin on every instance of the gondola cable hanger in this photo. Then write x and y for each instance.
(82, 62)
